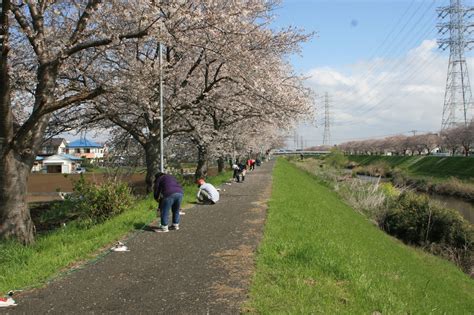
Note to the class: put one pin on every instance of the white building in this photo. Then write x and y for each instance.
(61, 163)
(38, 164)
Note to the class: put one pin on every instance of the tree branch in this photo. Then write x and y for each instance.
(73, 99)
(106, 41)
(91, 6)
(25, 26)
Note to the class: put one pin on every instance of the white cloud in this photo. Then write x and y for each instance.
(382, 96)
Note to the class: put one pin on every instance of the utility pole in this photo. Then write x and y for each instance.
(327, 131)
(458, 96)
(414, 132)
(162, 146)
(295, 140)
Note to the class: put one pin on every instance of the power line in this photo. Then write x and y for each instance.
(394, 65)
(415, 68)
(398, 46)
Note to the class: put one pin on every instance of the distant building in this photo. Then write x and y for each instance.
(57, 163)
(84, 148)
(53, 146)
(38, 164)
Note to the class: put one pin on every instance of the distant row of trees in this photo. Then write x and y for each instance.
(456, 140)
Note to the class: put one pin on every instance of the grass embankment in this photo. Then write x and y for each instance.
(320, 256)
(431, 166)
(25, 267)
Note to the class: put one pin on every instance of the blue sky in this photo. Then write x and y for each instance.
(346, 31)
(379, 62)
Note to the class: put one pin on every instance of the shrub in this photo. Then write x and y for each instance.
(415, 220)
(389, 190)
(365, 197)
(400, 178)
(336, 159)
(95, 203)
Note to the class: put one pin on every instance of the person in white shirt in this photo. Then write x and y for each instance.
(207, 192)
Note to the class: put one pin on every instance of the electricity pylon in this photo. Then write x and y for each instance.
(327, 131)
(458, 96)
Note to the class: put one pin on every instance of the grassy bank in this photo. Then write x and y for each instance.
(432, 166)
(24, 267)
(320, 256)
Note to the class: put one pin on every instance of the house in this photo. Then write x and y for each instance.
(38, 164)
(61, 163)
(84, 148)
(53, 146)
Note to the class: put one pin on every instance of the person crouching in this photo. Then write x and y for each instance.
(207, 193)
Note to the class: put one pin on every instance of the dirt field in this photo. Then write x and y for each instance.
(63, 182)
(46, 187)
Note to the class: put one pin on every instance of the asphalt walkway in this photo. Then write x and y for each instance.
(204, 268)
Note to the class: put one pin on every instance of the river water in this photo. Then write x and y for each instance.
(464, 207)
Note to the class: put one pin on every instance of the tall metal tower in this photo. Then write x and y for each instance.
(458, 97)
(327, 131)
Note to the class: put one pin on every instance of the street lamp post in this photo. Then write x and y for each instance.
(160, 60)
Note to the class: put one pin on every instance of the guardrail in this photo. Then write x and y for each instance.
(301, 152)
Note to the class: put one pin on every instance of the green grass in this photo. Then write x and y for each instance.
(30, 266)
(24, 267)
(432, 166)
(320, 256)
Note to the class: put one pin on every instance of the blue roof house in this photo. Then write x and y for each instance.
(84, 148)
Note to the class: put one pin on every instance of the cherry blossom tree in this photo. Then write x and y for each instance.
(398, 145)
(460, 137)
(222, 67)
(49, 49)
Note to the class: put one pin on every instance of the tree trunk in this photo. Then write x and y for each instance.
(201, 169)
(466, 150)
(15, 216)
(220, 164)
(153, 160)
(15, 219)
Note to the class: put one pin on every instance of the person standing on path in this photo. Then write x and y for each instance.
(243, 170)
(169, 194)
(236, 169)
(207, 193)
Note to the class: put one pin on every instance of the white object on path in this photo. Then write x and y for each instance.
(8, 301)
(120, 247)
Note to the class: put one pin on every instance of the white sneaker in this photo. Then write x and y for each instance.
(162, 229)
(174, 227)
(7, 302)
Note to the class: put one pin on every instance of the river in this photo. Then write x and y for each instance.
(464, 207)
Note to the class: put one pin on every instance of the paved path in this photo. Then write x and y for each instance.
(204, 268)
